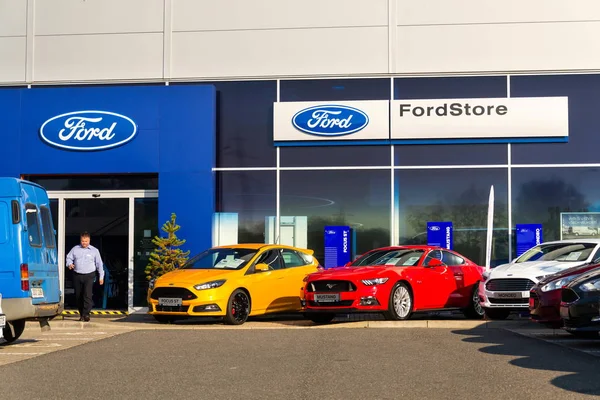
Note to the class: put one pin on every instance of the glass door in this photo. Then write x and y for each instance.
(145, 228)
(107, 222)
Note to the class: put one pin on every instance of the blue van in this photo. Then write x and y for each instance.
(29, 276)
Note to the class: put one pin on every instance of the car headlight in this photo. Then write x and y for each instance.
(557, 284)
(486, 275)
(151, 284)
(210, 285)
(591, 286)
(374, 281)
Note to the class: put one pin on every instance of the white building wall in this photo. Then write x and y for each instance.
(54, 41)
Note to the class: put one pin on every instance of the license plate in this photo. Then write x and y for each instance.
(327, 298)
(37, 292)
(564, 312)
(514, 295)
(2, 321)
(167, 301)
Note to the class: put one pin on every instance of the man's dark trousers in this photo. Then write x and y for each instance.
(84, 283)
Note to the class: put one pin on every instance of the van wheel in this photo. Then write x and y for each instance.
(13, 330)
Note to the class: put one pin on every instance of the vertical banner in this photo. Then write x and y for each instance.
(440, 234)
(528, 236)
(490, 230)
(337, 246)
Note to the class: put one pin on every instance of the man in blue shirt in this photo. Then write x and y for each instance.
(84, 260)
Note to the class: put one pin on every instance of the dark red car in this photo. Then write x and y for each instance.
(545, 296)
(396, 281)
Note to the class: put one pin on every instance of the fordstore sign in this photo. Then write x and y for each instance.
(485, 120)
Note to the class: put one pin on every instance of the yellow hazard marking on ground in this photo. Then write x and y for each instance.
(97, 312)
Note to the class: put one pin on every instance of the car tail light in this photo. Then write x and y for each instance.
(24, 277)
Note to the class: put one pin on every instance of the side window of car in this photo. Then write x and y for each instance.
(434, 254)
(292, 259)
(271, 258)
(452, 259)
(596, 257)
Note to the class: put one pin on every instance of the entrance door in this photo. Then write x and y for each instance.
(107, 222)
(121, 225)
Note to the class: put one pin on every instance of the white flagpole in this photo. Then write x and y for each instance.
(490, 230)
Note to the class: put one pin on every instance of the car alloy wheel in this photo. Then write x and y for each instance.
(402, 301)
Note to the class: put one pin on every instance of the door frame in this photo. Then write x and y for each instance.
(63, 195)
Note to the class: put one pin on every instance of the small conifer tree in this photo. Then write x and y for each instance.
(167, 256)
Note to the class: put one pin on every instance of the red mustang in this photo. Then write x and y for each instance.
(397, 281)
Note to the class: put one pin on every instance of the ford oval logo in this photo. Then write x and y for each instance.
(434, 228)
(330, 120)
(88, 130)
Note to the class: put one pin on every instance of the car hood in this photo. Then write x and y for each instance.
(576, 270)
(591, 275)
(532, 269)
(193, 276)
(350, 273)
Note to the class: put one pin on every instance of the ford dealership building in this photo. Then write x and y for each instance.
(269, 120)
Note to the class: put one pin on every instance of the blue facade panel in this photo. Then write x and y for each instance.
(168, 130)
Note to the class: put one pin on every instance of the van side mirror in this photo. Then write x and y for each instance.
(261, 267)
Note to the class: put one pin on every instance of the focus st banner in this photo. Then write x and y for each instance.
(485, 118)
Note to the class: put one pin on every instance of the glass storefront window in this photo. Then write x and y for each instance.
(584, 96)
(335, 90)
(540, 195)
(245, 207)
(456, 195)
(245, 123)
(356, 198)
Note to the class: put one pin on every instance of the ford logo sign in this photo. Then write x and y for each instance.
(434, 228)
(88, 130)
(330, 120)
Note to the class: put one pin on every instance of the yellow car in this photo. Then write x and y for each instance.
(234, 282)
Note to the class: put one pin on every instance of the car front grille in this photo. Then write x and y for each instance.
(569, 296)
(509, 285)
(331, 286)
(172, 308)
(520, 302)
(172, 292)
(342, 303)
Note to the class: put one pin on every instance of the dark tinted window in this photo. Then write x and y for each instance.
(33, 227)
(335, 90)
(245, 123)
(432, 255)
(450, 88)
(272, 258)
(47, 227)
(584, 96)
(451, 259)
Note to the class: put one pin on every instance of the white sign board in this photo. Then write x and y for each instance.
(485, 118)
(327, 121)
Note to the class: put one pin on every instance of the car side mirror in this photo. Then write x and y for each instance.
(261, 267)
(434, 262)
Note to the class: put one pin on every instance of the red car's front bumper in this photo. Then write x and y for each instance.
(363, 299)
(544, 307)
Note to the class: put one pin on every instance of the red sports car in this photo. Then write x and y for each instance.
(397, 281)
(545, 296)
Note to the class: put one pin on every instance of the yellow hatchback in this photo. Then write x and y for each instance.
(234, 282)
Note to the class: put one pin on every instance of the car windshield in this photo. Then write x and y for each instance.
(396, 257)
(567, 252)
(221, 258)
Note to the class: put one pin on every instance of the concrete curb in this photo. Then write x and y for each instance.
(296, 324)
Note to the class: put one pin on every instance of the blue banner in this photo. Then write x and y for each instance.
(528, 236)
(440, 234)
(338, 246)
